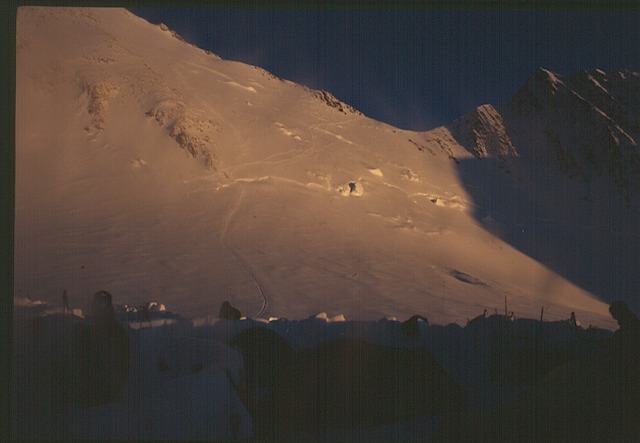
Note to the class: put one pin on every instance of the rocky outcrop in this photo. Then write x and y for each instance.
(331, 101)
(190, 132)
(99, 95)
(484, 134)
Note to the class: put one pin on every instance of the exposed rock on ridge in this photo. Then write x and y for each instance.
(589, 121)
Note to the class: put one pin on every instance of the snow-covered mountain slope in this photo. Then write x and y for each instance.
(152, 169)
(590, 124)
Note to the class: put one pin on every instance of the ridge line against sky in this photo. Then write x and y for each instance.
(415, 65)
(412, 68)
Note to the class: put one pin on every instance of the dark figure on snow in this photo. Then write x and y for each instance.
(229, 312)
(573, 321)
(104, 354)
(65, 303)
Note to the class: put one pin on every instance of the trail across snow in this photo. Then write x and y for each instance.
(224, 238)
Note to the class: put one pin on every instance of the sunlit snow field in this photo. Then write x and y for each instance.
(155, 170)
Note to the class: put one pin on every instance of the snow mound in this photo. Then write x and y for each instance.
(151, 315)
(408, 174)
(323, 316)
(287, 132)
(453, 202)
(27, 302)
(42, 308)
(376, 171)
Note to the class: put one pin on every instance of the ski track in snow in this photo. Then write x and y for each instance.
(289, 156)
(237, 257)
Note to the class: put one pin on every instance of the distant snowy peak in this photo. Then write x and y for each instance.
(483, 133)
(589, 121)
(586, 125)
(539, 90)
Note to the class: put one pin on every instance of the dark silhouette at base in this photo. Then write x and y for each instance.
(265, 354)
(411, 327)
(592, 399)
(343, 385)
(624, 363)
(103, 354)
(228, 312)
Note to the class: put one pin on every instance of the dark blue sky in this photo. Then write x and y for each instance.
(415, 69)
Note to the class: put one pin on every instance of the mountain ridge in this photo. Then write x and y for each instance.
(574, 184)
(156, 170)
(597, 136)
